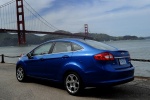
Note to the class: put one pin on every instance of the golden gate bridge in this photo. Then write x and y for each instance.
(17, 16)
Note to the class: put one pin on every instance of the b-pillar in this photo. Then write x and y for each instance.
(20, 22)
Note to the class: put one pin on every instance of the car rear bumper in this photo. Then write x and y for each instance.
(114, 82)
(106, 78)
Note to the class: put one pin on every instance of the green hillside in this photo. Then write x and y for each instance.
(7, 39)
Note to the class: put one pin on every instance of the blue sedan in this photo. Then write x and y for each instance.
(76, 63)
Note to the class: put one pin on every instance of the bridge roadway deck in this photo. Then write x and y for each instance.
(11, 89)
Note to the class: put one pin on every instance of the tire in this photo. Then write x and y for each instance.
(73, 83)
(20, 74)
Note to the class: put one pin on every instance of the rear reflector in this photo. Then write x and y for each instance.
(104, 56)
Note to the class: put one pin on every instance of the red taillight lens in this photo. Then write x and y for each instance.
(104, 56)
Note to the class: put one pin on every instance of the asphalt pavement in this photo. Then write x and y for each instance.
(11, 89)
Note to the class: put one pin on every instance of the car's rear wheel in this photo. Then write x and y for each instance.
(20, 74)
(73, 83)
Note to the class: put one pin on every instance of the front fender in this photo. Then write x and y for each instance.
(21, 63)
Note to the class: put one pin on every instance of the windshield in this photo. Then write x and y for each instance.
(99, 45)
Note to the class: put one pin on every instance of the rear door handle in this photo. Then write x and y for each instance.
(65, 56)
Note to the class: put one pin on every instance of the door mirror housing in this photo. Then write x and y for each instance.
(29, 55)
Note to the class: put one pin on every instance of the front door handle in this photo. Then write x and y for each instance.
(41, 59)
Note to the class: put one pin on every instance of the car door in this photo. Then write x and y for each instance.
(37, 63)
(60, 56)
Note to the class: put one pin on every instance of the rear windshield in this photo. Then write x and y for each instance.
(99, 45)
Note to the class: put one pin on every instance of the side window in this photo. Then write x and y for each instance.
(76, 47)
(62, 47)
(43, 49)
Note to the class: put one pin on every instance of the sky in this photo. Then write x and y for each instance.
(112, 17)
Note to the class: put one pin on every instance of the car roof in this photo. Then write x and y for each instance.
(74, 40)
(67, 39)
(85, 45)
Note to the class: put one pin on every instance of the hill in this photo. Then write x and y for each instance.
(147, 37)
(105, 37)
(7, 39)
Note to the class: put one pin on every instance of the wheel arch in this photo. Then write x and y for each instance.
(70, 71)
(22, 64)
(73, 68)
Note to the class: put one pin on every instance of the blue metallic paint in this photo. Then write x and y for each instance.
(91, 71)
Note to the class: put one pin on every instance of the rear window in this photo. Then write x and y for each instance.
(76, 47)
(99, 45)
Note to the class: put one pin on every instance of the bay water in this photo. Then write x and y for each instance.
(138, 49)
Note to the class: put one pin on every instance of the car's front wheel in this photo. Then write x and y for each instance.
(73, 83)
(20, 74)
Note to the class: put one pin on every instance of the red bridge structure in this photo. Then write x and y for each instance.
(17, 16)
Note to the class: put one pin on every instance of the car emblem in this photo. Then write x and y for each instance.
(122, 53)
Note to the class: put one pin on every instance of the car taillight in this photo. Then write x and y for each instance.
(104, 56)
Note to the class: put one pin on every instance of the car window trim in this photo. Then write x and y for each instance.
(64, 42)
(40, 46)
(73, 47)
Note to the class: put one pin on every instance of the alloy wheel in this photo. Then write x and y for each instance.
(20, 74)
(72, 83)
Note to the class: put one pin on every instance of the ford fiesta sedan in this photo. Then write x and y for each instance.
(76, 63)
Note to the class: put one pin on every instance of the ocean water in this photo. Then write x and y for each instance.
(138, 49)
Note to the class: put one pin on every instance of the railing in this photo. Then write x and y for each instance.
(142, 60)
(3, 56)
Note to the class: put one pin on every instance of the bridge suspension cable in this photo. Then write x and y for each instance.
(8, 15)
(8, 3)
(21, 18)
(33, 20)
(36, 20)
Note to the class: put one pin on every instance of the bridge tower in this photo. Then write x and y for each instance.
(86, 29)
(20, 22)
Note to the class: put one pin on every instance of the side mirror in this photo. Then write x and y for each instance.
(29, 55)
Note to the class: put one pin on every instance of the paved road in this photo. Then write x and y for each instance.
(11, 89)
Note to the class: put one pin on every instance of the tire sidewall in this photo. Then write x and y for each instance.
(24, 77)
(80, 83)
